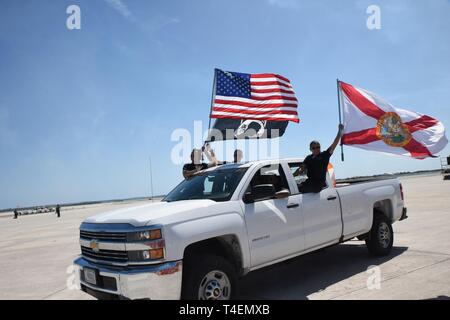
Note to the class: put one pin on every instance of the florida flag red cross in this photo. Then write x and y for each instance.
(374, 124)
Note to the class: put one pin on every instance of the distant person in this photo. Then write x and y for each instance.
(237, 156)
(316, 165)
(16, 214)
(58, 210)
(196, 165)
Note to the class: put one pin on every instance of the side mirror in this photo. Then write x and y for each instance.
(283, 193)
(263, 191)
(248, 197)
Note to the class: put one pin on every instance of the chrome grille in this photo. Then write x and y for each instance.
(107, 236)
(116, 244)
(108, 255)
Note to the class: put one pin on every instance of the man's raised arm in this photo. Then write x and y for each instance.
(337, 139)
(209, 153)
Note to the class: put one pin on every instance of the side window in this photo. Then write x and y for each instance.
(271, 174)
(294, 166)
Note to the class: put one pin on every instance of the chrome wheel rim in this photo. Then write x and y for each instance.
(215, 286)
(384, 234)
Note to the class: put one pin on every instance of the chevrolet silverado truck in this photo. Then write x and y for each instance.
(222, 224)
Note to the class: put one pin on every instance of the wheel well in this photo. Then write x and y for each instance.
(226, 246)
(384, 207)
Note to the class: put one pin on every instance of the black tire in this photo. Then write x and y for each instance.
(381, 237)
(195, 271)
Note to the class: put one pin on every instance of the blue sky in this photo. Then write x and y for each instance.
(81, 111)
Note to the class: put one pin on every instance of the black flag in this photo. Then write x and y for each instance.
(230, 129)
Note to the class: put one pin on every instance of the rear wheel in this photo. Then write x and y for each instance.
(208, 277)
(381, 237)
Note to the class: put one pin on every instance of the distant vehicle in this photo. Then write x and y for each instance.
(445, 167)
(39, 210)
(224, 223)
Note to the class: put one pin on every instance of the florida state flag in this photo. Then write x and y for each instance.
(374, 124)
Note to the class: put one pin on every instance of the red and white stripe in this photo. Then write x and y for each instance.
(272, 98)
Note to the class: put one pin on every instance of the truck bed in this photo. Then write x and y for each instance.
(357, 199)
(350, 181)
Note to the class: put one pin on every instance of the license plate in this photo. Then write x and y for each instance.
(89, 276)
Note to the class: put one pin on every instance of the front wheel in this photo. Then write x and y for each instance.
(381, 237)
(209, 277)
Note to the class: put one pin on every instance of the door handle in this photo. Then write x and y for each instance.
(292, 205)
(331, 198)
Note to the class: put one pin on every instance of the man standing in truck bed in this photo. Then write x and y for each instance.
(316, 165)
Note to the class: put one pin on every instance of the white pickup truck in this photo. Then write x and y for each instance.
(224, 223)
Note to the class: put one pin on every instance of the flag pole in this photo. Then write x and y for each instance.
(340, 118)
(213, 95)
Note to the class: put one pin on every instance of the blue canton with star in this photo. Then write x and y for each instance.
(232, 84)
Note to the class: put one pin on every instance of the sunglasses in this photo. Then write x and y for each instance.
(315, 147)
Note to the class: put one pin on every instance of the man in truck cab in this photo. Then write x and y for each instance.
(196, 165)
(316, 165)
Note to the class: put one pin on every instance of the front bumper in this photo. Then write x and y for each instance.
(156, 282)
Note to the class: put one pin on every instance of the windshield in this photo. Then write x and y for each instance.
(217, 185)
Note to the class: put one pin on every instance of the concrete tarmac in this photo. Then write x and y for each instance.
(36, 253)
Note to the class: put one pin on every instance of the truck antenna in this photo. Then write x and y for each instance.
(151, 178)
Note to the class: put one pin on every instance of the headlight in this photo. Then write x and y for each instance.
(150, 234)
(152, 254)
(145, 235)
(152, 239)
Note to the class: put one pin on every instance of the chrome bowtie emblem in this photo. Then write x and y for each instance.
(94, 245)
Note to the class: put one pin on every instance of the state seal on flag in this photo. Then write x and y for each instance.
(391, 130)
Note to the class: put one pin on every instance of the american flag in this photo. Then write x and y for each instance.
(264, 96)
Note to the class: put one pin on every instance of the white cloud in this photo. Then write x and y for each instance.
(287, 4)
(159, 22)
(121, 8)
(150, 25)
